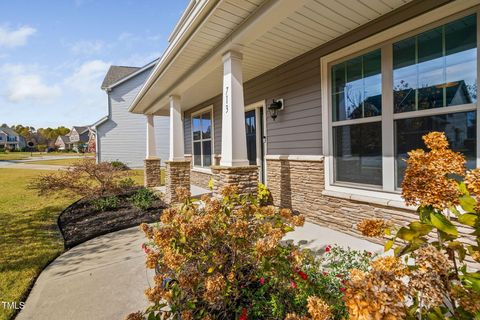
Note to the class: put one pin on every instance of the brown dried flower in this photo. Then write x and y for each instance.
(135, 316)
(374, 228)
(318, 309)
(182, 193)
(426, 182)
(468, 299)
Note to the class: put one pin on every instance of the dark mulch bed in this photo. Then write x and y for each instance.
(81, 222)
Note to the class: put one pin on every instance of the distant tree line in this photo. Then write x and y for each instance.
(41, 137)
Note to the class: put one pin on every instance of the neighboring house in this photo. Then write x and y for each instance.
(10, 140)
(121, 135)
(79, 137)
(361, 82)
(63, 143)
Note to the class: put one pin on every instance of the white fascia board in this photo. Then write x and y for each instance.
(99, 122)
(130, 76)
(198, 13)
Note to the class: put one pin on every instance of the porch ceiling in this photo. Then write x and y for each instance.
(268, 32)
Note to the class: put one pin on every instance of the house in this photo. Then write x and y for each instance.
(63, 143)
(319, 99)
(79, 137)
(121, 135)
(10, 140)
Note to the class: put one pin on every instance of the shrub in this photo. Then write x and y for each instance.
(106, 203)
(85, 178)
(263, 194)
(436, 283)
(225, 259)
(143, 198)
(119, 165)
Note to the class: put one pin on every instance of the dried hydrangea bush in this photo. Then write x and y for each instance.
(225, 259)
(436, 283)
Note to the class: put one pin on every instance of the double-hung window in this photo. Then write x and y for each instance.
(382, 100)
(202, 133)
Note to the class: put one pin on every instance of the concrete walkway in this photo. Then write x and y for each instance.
(105, 278)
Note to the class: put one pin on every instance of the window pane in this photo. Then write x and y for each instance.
(436, 68)
(461, 61)
(358, 153)
(207, 153)
(356, 87)
(197, 153)
(206, 125)
(196, 127)
(460, 129)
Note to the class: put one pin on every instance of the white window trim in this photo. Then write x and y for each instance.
(383, 40)
(203, 110)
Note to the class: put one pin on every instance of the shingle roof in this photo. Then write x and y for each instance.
(115, 73)
(9, 131)
(65, 139)
(80, 130)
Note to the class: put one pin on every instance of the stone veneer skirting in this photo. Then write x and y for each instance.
(152, 172)
(200, 179)
(177, 174)
(245, 178)
(298, 184)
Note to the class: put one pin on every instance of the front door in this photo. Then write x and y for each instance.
(254, 131)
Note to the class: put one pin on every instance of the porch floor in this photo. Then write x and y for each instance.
(196, 191)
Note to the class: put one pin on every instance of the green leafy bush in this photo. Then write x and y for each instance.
(264, 196)
(143, 198)
(106, 203)
(119, 164)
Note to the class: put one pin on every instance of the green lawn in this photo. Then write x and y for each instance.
(137, 176)
(56, 162)
(29, 237)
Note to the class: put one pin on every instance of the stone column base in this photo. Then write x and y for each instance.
(152, 172)
(245, 178)
(177, 174)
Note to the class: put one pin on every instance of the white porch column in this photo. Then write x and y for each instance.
(151, 145)
(234, 141)
(176, 130)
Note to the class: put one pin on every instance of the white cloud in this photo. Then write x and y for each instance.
(24, 82)
(88, 76)
(86, 47)
(15, 38)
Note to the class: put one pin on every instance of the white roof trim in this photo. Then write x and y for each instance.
(99, 122)
(151, 64)
(199, 11)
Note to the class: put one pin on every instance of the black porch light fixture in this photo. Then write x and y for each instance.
(274, 107)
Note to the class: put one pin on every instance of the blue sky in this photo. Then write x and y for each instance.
(55, 53)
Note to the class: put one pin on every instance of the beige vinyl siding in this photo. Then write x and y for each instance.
(123, 136)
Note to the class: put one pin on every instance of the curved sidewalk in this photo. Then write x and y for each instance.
(104, 278)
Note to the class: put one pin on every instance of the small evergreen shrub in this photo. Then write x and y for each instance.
(104, 204)
(119, 164)
(143, 198)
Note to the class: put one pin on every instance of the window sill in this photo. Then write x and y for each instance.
(372, 197)
(202, 170)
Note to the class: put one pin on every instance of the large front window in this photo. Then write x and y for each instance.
(384, 100)
(202, 138)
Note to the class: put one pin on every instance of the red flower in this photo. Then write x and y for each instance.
(145, 249)
(342, 289)
(369, 253)
(302, 275)
(293, 284)
(340, 276)
(262, 281)
(244, 314)
(325, 273)
(327, 248)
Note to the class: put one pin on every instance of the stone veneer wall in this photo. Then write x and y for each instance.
(299, 184)
(245, 177)
(152, 171)
(198, 178)
(177, 174)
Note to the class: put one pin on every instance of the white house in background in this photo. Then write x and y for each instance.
(120, 134)
(63, 142)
